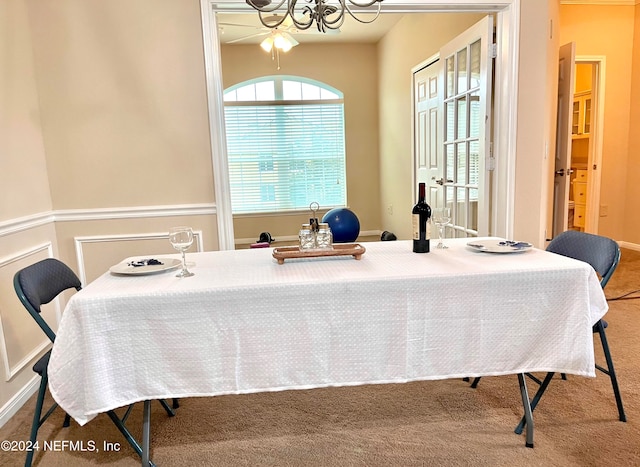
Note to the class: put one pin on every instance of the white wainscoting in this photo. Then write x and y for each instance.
(11, 371)
(80, 242)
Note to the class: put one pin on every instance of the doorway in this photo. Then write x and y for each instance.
(508, 39)
(586, 145)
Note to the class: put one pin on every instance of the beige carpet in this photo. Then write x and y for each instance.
(440, 423)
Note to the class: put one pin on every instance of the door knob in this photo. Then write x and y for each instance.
(561, 172)
(441, 181)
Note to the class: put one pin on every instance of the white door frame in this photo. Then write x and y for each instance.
(505, 101)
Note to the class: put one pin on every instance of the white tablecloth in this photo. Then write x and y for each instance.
(246, 324)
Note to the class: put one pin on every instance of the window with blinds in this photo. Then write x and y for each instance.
(285, 144)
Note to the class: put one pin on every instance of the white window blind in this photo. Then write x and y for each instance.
(285, 154)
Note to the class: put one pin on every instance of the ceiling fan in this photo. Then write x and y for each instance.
(280, 35)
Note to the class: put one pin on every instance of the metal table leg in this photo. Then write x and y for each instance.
(146, 433)
(527, 410)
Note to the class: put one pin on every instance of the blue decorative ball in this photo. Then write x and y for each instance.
(344, 224)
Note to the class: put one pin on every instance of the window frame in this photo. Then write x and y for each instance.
(328, 95)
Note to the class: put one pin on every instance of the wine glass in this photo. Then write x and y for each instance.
(181, 239)
(441, 217)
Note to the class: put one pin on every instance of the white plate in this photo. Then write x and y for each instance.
(500, 246)
(126, 268)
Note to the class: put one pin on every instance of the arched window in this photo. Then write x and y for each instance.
(285, 143)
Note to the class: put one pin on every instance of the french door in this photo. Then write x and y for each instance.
(452, 118)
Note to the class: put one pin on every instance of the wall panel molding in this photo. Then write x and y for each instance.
(10, 372)
(72, 215)
(80, 242)
(20, 224)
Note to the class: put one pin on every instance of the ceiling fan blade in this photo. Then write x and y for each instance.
(241, 25)
(275, 19)
(247, 37)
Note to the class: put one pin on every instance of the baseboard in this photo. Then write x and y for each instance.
(630, 246)
(9, 409)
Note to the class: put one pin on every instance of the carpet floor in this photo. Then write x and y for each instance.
(439, 423)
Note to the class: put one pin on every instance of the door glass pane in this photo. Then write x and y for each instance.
(462, 118)
(474, 115)
(449, 162)
(461, 58)
(461, 179)
(449, 201)
(449, 121)
(474, 163)
(461, 207)
(473, 209)
(450, 76)
(474, 66)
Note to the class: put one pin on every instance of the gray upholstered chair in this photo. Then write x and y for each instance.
(603, 254)
(37, 285)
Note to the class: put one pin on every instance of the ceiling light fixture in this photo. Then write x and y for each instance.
(327, 14)
(276, 42)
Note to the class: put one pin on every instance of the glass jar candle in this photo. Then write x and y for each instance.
(307, 237)
(324, 238)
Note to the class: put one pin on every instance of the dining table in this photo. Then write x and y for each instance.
(246, 322)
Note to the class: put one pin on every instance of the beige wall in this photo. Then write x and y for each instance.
(583, 77)
(123, 98)
(22, 153)
(24, 192)
(104, 134)
(631, 224)
(609, 31)
(350, 68)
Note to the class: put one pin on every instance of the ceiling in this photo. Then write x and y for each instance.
(235, 26)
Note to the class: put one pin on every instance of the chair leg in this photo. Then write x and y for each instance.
(169, 410)
(610, 371)
(176, 404)
(475, 382)
(127, 434)
(36, 418)
(535, 400)
(67, 420)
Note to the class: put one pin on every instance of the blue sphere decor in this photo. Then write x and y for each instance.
(344, 224)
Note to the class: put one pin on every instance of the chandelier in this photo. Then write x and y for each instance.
(327, 14)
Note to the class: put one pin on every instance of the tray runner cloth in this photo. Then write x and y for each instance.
(246, 324)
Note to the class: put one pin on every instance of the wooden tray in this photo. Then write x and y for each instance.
(341, 249)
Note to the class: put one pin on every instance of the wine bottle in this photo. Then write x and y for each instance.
(421, 214)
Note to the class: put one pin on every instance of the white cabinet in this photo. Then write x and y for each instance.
(579, 197)
(581, 118)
